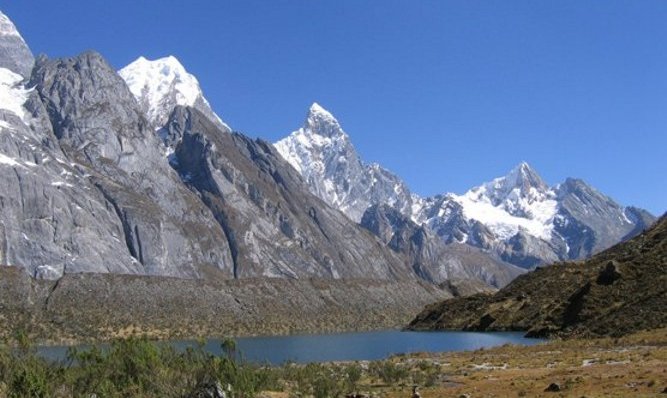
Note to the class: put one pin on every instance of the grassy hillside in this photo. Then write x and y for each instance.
(618, 291)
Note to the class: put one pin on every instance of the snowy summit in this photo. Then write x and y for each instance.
(518, 201)
(7, 27)
(324, 155)
(162, 84)
(14, 52)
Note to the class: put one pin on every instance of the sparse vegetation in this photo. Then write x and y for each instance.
(634, 365)
(81, 308)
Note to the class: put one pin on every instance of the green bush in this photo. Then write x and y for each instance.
(388, 371)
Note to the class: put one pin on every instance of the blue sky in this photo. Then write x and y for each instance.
(446, 94)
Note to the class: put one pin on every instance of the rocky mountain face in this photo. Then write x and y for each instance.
(324, 155)
(516, 218)
(135, 168)
(429, 256)
(51, 216)
(618, 291)
(100, 188)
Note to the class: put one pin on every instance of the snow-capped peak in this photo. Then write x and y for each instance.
(519, 201)
(306, 148)
(160, 85)
(7, 27)
(322, 122)
(16, 56)
(316, 111)
(523, 176)
(324, 155)
(521, 182)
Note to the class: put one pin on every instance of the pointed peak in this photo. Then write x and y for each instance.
(322, 122)
(160, 74)
(317, 111)
(161, 84)
(521, 180)
(317, 108)
(523, 168)
(523, 175)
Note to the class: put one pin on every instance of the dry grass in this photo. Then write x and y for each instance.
(633, 366)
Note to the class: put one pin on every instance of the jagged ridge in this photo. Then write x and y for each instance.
(517, 218)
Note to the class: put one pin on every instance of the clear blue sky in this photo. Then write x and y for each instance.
(446, 94)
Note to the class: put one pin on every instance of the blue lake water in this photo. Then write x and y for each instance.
(375, 345)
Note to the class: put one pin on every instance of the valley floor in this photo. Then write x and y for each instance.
(635, 366)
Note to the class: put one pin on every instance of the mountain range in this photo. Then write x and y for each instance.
(131, 172)
(517, 218)
(92, 184)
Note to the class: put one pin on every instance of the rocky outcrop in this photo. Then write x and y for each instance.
(618, 291)
(429, 256)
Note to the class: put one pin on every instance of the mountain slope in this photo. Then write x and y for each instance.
(87, 307)
(618, 291)
(246, 214)
(275, 226)
(51, 216)
(88, 187)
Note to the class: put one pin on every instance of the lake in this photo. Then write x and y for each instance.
(374, 345)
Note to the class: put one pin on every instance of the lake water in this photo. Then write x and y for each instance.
(375, 345)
